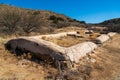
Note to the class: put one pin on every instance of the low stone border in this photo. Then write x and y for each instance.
(42, 49)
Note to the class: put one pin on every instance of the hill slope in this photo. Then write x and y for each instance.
(112, 24)
(18, 20)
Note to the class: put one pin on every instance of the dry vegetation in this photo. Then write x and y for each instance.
(24, 21)
(112, 24)
(103, 65)
(66, 41)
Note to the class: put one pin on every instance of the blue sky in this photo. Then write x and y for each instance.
(91, 11)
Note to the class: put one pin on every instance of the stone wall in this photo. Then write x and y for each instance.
(42, 48)
(80, 50)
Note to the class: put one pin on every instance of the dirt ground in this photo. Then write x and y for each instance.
(102, 64)
(107, 64)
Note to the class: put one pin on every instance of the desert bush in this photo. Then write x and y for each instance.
(30, 22)
(56, 19)
(112, 25)
(36, 12)
(18, 20)
(60, 19)
(82, 22)
(10, 19)
(52, 17)
(63, 24)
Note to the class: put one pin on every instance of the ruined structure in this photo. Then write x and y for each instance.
(48, 50)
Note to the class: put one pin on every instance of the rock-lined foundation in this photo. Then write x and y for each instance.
(45, 49)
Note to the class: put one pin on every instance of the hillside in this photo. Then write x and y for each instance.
(24, 21)
(112, 24)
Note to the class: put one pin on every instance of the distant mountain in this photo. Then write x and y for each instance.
(19, 20)
(112, 24)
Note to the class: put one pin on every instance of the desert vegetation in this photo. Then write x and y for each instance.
(24, 21)
(112, 24)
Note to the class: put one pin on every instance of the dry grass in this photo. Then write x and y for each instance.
(71, 40)
(70, 28)
(66, 41)
(94, 35)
